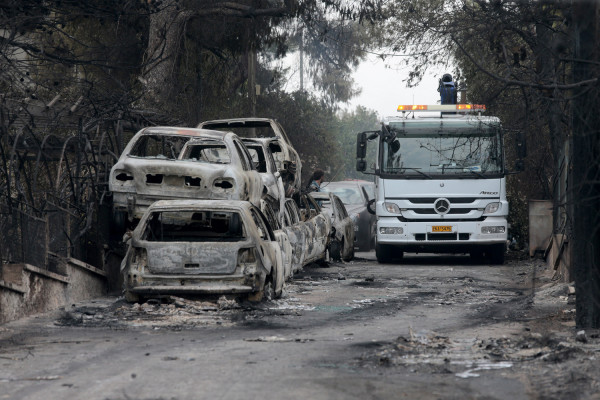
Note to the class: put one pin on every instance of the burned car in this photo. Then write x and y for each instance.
(356, 195)
(190, 247)
(260, 150)
(341, 244)
(286, 157)
(162, 163)
(318, 229)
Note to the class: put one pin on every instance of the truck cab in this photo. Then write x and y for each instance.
(440, 182)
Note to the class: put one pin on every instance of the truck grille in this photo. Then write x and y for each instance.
(441, 236)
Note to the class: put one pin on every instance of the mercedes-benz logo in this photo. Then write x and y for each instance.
(441, 206)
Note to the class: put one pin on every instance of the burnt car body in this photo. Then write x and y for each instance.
(341, 244)
(202, 247)
(162, 163)
(286, 157)
(318, 229)
(282, 236)
(356, 194)
(260, 150)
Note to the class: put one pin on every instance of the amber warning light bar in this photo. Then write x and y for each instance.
(443, 107)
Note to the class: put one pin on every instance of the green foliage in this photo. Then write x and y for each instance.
(349, 124)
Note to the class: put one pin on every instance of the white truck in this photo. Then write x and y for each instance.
(440, 182)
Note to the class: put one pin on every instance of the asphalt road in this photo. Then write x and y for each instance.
(431, 327)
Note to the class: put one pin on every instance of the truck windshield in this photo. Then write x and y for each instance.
(452, 150)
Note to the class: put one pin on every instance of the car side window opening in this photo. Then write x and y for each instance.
(271, 218)
(258, 158)
(277, 154)
(245, 158)
(292, 211)
(209, 152)
(264, 231)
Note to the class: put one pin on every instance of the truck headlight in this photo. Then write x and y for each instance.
(492, 208)
(391, 208)
(493, 229)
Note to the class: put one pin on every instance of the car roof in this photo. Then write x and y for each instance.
(174, 130)
(348, 183)
(262, 141)
(321, 195)
(239, 122)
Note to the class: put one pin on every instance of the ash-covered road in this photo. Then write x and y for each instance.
(428, 328)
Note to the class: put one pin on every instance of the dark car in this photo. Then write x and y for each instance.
(355, 194)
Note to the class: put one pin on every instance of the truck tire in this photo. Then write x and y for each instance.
(496, 254)
(386, 253)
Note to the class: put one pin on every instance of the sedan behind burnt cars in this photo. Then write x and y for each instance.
(191, 247)
(341, 243)
(356, 194)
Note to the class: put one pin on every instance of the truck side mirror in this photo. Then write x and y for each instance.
(361, 145)
(361, 165)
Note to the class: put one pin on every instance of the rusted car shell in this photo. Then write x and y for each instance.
(282, 236)
(356, 194)
(288, 161)
(137, 181)
(342, 226)
(317, 229)
(236, 265)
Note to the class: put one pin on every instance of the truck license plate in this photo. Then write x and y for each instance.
(441, 228)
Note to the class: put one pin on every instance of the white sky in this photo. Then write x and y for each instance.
(382, 83)
(383, 88)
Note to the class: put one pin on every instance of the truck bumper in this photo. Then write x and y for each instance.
(441, 236)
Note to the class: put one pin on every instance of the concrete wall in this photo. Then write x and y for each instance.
(27, 290)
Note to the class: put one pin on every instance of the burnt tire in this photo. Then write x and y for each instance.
(350, 256)
(335, 250)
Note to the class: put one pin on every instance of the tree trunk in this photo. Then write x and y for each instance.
(164, 44)
(586, 168)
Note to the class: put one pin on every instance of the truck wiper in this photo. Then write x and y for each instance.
(416, 170)
(479, 174)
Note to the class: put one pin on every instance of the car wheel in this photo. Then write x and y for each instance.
(476, 255)
(351, 255)
(383, 253)
(335, 250)
(386, 253)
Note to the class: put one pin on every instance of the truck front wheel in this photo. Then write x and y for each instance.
(386, 253)
(496, 254)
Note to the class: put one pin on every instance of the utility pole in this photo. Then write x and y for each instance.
(252, 80)
(302, 59)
